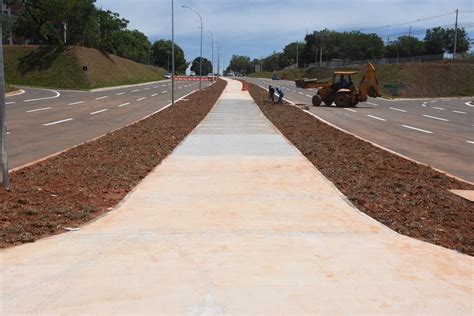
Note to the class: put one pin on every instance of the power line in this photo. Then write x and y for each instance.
(420, 31)
(409, 22)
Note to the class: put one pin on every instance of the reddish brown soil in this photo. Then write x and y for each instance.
(407, 197)
(84, 182)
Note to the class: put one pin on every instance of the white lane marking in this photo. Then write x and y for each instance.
(136, 90)
(163, 86)
(179, 87)
(141, 99)
(424, 104)
(470, 141)
(164, 91)
(97, 112)
(374, 104)
(469, 104)
(37, 110)
(120, 93)
(436, 118)
(309, 96)
(434, 101)
(101, 98)
(10, 103)
(47, 98)
(376, 117)
(147, 88)
(442, 109)
(58, 122)
(74, 103)
(350, 110)
(460, 112)
(301, 93)
(154, 94)
(124, 104)
(8, 133)
(417, 129)
(399, 110)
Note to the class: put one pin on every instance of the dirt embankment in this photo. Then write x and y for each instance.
(409, 198)
(80, 184)
(63, 67)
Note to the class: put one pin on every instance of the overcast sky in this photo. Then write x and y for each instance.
(256, 28)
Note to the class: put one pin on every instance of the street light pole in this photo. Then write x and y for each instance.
(3, 123)
(172, 53)
(200, 53)
(212, 44)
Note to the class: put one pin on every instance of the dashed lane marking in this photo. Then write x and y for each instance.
(442, 109)
(370, 103)
(377, 118)
(101, 98)
(58, 122)
(97, 112)
(10, 103)
(350, 110)
(436, 118)
(417, 129)
(74, 103)
(38, 110)
(120, 93)
(124, 104)
(399, 110)
(136, 90)
(460, 112)
(309, 96)
(154, 94)
(470, 141)
(164, 91)
(141, 99)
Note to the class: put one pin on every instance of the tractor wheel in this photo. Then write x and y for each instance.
(342, 100)
(328, 102)
(317, 100)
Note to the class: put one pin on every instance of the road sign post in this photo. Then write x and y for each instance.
(3, 123)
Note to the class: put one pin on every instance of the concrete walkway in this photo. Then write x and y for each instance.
(235, 221)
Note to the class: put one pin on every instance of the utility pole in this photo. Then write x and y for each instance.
(409, 31)
(297, 54)
(321, 55)
(455, 34)
(3, 123)
(218, 60)
(172, 53)
(316, 55)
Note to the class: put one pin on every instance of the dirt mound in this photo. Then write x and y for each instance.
(62, 67)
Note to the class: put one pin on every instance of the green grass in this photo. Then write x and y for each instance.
(289, 74)
(58, 67)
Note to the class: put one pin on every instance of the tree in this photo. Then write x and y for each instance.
(110, 24)
(161, 56)
(46, 21)
(435, 41)
(462, 44)
(132, 45)
(241, 64)
(206, 66)
(405, 46)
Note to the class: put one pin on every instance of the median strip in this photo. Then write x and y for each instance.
(410, 198)
(87, 181)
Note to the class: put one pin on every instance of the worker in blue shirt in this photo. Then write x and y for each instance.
(280, 95)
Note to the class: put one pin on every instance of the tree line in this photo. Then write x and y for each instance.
(80, 22)
(354, 45)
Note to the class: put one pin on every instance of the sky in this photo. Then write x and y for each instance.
(256, 28)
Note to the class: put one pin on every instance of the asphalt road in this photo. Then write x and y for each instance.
(437, 132)
(42, 122)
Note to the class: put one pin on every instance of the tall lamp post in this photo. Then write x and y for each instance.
(3, 124)
(200, 54)
(172, 53)
(212, 44)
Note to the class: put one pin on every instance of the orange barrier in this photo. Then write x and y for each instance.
(245, 86)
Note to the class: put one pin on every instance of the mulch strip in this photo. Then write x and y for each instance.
(409, 198)
(84, 182)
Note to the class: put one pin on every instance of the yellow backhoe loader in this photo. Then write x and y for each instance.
(342, 90)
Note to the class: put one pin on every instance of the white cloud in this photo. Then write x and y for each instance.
(258, 27)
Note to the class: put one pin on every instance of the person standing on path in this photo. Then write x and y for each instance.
(271, 94)
(280, 95)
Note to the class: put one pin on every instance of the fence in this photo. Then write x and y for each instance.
(336, 63)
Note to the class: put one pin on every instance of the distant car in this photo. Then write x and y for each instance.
(168, 76)
(275, 77)
(193, 74)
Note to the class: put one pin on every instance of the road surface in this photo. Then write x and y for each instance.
(42, 122)
(436, 132)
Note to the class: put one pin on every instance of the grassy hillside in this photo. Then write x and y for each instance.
(56, 67)
(289, 74)
(437, 79)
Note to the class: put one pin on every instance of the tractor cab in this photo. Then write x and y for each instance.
(343, 80)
